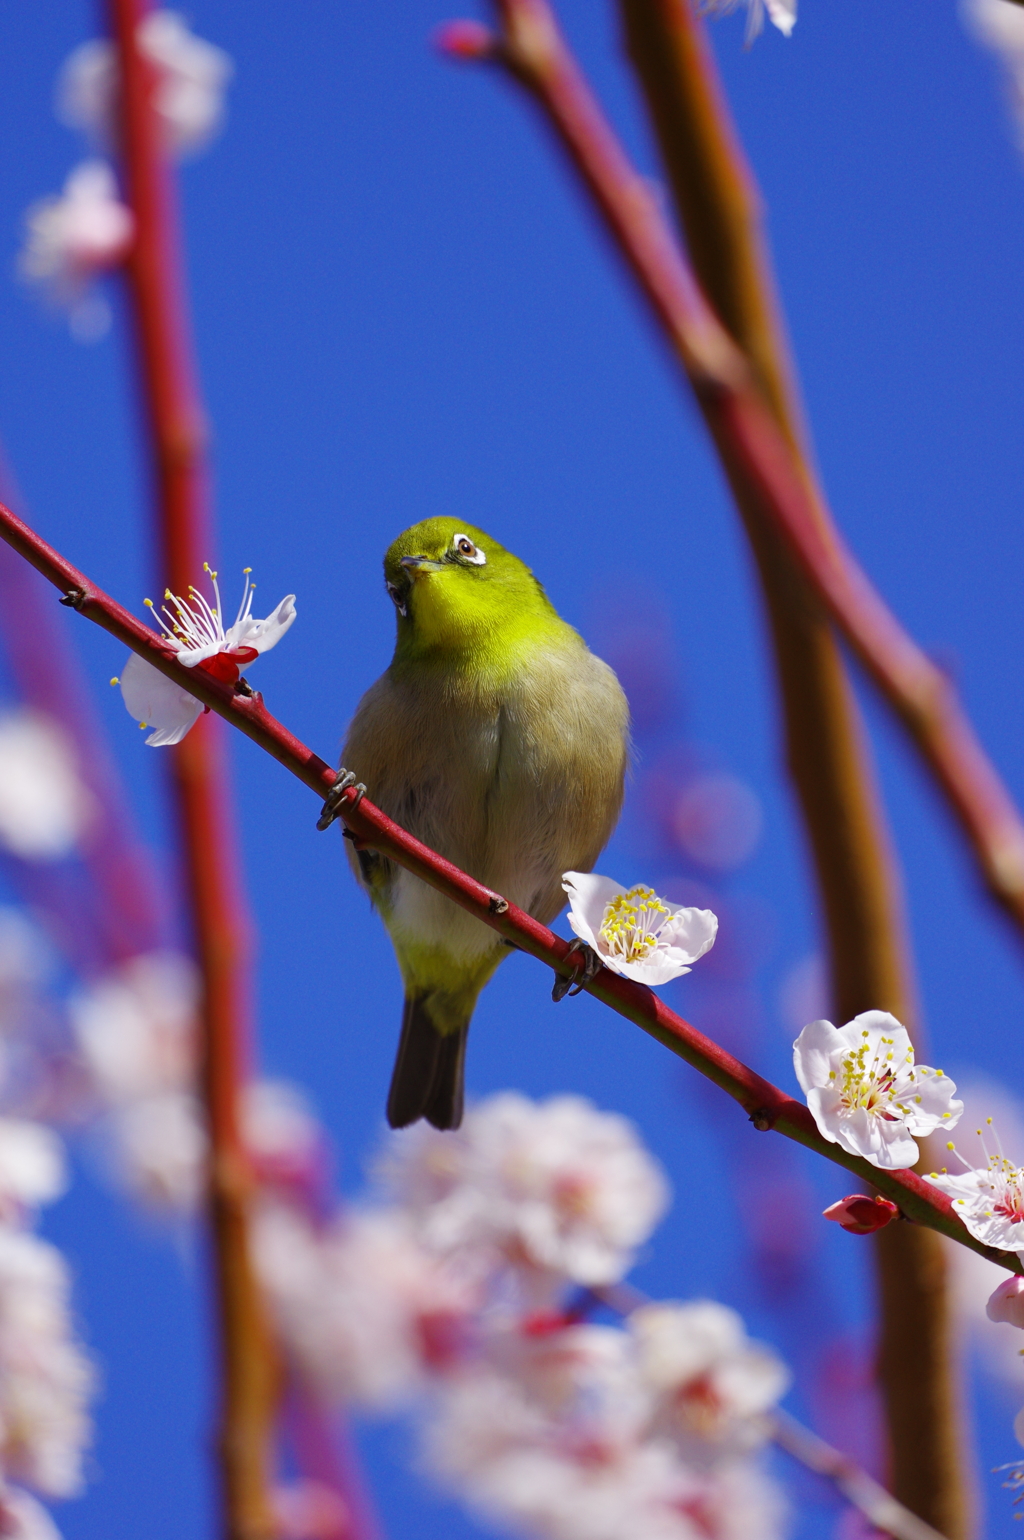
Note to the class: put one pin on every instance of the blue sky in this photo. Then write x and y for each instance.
(404, 309)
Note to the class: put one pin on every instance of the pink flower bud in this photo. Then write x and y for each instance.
(1007, 1302)
(465, 40)
(860, 1214)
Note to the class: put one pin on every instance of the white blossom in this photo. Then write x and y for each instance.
(44, 807)
(45, 1379)
(283, 1137)
(193, 76)
(32, 1169)
(633, 931)
(194, 629)
(781, 13)
(574, 1469)
(71, 239)
(366, 1310)
(866, 1092)
(989, 1199)
(156, 1149)
(712, 1384)
(136, 1027)
(554, 1188)
(22, 1518)
(999, 25)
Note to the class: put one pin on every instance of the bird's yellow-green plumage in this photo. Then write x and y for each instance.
(497, 738)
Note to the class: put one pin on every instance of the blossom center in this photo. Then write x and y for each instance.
(869, 1082)
(632, 922)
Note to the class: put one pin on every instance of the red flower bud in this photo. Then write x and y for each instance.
(860, 1214)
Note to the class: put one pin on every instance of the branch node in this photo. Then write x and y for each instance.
(497, 905)
(74, 598)
(762, 1119)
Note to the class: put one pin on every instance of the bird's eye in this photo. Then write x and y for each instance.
(465, 550)
(396, 598)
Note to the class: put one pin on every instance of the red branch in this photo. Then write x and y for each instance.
(766, 1105)
(758, 461)
(177, 435)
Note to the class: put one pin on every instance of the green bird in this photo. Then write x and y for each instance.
(497, 738)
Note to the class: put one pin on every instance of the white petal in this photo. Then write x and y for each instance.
(872, 1026)
(659, 968)
(690, 932)
(154, 699)
(826, 1108)
(782, 14)
(813, 1053)
(589, 895)
(263, 634)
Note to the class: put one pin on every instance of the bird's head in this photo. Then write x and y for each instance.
(455, 588)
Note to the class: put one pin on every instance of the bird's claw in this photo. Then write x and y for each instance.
(586, 969)
(332, 802)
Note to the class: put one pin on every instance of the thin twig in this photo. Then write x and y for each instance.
(860, 1489)
(175, 421)
(719, 208)
(766, 1105)
(757, 459)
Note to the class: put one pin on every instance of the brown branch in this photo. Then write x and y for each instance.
(758, 461)
(176, 426)
(767, 1106)
(719, 208)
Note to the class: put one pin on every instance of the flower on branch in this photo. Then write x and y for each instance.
(633, 931)
(781, 13)
(45, 808)
(989, 1199)
(866, 1092)
(999, 25)
(860, 1214)
(194, 629)
(70, 240)
(555, 1190)
(711, 1383)
(189, 99)
(1007, 1301)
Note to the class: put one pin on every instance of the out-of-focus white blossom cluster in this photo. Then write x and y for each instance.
(999, 25)
(45, 1378)
(87, 230)
(44, 806)
(464, 1293)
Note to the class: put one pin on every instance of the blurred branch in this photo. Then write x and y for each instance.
(859, 1489)
(758, 461)
(767, 1106)
(175, 421)
(719, 208)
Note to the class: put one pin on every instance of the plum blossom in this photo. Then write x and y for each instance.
(45, 1379)
(189, 100)
(22, 1518)
(861, 1215)
(999, 25)
(194, 629)
(556, 1189)
(711, 1384)
(781, 14)
(365, 1308)
(32, 1169)
(865, 1091)
(633, 931)
(989, 1199)
(71, 239)
(44, 806)
(1006, 1302)
(136, 1026)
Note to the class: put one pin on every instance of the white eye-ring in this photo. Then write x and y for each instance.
(465, 550)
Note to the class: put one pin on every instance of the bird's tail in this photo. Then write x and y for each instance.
(427, 1080)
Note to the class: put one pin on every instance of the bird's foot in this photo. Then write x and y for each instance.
(586, 969)
(332, 802)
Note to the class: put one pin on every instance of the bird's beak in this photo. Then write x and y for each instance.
(421, 564)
